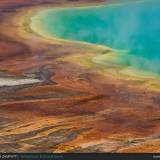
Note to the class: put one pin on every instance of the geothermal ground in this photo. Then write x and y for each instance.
(51, 100)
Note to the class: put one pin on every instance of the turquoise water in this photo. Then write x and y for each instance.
(132, 27)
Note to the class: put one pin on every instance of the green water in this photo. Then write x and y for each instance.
(132, 27)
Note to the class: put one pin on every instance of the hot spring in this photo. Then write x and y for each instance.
(133, 29)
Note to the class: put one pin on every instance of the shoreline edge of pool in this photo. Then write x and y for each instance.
(109, 63)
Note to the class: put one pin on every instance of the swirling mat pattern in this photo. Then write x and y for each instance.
(53, 98)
